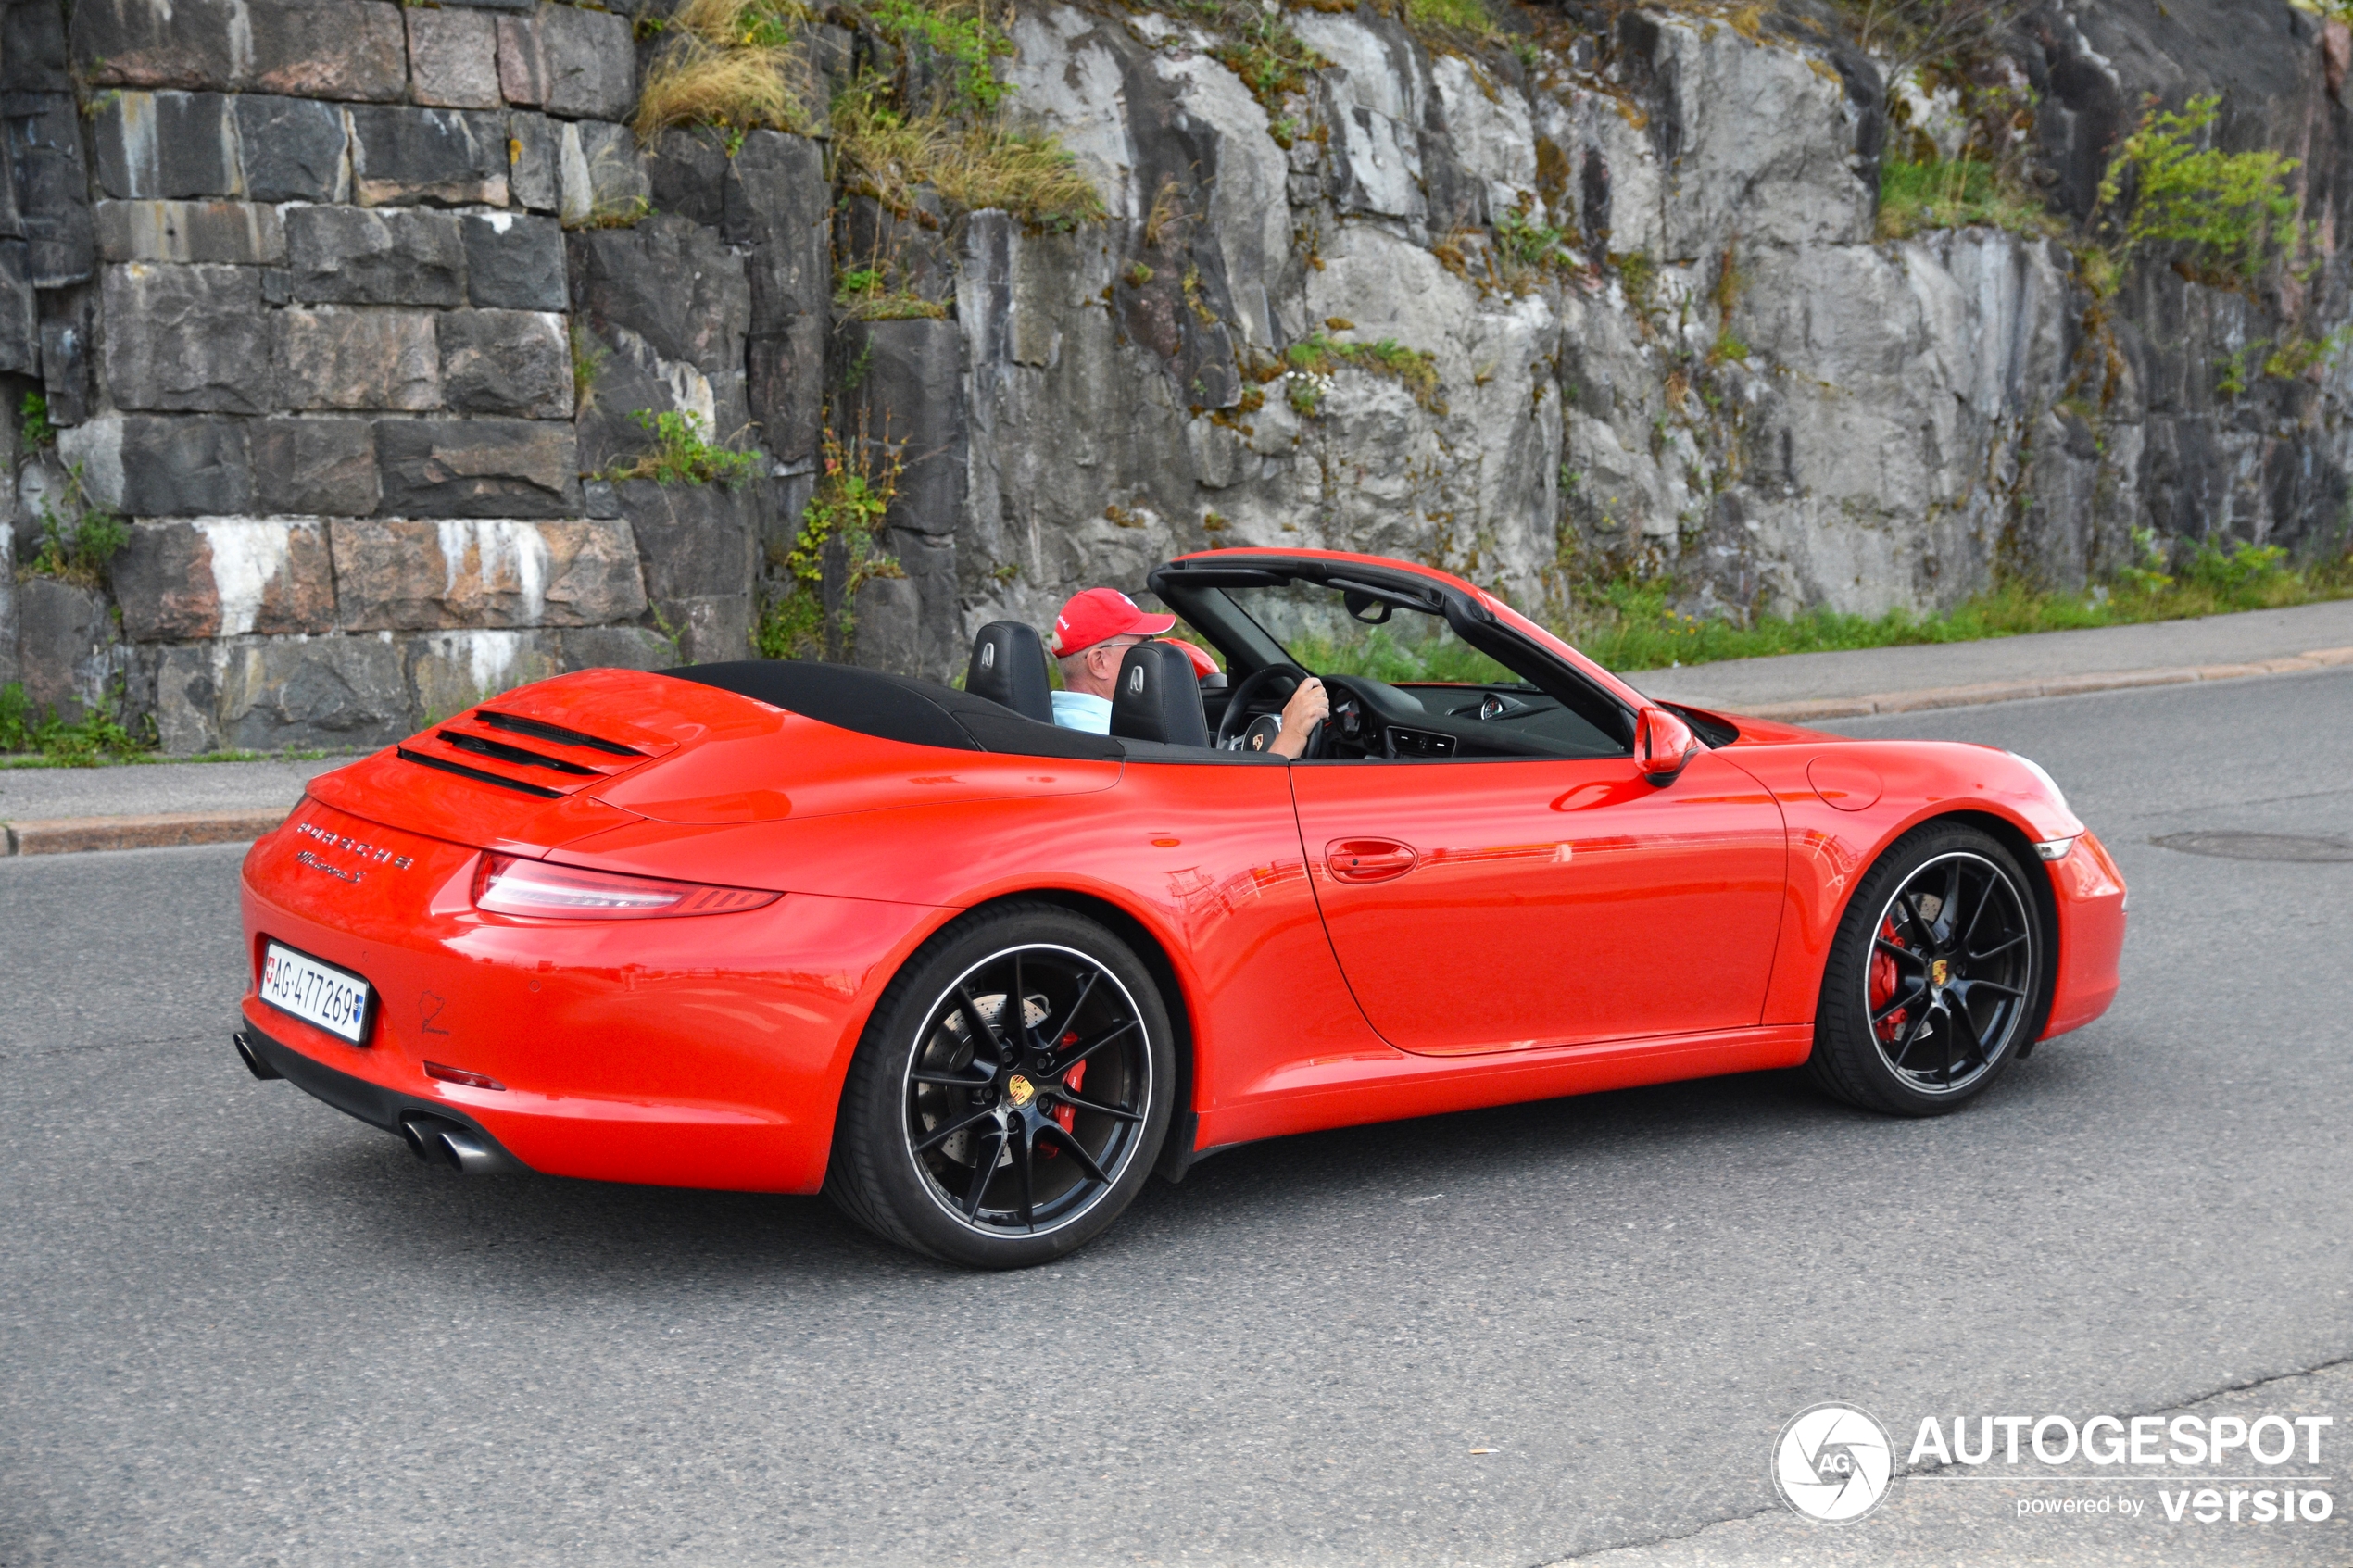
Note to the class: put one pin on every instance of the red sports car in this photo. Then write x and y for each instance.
(792, 927)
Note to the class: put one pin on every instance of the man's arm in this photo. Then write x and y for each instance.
(1308, 706)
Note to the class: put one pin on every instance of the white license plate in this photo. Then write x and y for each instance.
(334, 1000)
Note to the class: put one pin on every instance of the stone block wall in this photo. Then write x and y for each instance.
(346, 309)
(358, 313)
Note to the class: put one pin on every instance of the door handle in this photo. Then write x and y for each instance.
(1368, 859)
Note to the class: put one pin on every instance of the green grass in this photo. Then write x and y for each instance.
(96, 738)
(1379, 657)
(1953, 194)
(1470, 16)
(1630, 625)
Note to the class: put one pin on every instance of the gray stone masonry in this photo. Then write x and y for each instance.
(473, 467)
(453, 59)
(230, 231)
(187, 337)
(404, 156)
(346, 255)
(506, 362)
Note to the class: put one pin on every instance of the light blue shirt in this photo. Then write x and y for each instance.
(1083, 711)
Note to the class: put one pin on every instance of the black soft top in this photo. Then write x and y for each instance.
(926, 713)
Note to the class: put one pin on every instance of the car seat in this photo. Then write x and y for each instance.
(1009, 668)
(1158, 698)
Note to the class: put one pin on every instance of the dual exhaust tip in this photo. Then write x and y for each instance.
(437, 1140)
(451, 1146)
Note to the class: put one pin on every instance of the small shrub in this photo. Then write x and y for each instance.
(96, 737)
(78, 545)
(867, 295)
(683, 454)
(1728, 349)
(957, 31)
(857, 482)
(1272, 61)
(34, 429)
(1525, 248)
(1316, 357)
(2234, 210)
(2246, 568)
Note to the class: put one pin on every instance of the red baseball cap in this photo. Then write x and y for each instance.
(1097, 614)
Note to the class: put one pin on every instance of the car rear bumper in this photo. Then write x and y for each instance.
(704, 1052)
(358, 1097)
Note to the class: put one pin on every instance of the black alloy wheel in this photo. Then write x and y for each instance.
(1012, 1092)
(1936, 979)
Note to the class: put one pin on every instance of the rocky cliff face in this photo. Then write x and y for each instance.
(355, 312)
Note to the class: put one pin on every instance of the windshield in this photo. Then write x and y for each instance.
(1339, 632)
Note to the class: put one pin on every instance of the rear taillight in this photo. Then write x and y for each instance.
(508, 886)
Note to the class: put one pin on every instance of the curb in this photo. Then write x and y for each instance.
(67, 836)
(2017, 691)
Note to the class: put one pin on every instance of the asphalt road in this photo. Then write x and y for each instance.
(236, 1327)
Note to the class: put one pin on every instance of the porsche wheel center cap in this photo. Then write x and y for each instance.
(1020, 1089)
(1940, 973)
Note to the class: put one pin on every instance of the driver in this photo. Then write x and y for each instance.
(1094, 633)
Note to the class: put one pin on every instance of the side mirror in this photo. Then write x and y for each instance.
(1663, 743)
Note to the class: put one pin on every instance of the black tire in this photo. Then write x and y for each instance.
(1937, 978)
(964, 1138)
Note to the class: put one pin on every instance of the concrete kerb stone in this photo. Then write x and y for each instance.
(67, 836)
(1925, 698)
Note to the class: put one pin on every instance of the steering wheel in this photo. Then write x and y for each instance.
(1237, 715)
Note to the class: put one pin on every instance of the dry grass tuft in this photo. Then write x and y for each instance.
(727, 62)
(1029, 174)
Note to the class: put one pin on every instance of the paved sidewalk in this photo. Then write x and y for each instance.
(54, 810)
(1806, 687)
(146, 806)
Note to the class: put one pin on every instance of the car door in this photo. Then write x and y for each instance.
(1500, 905)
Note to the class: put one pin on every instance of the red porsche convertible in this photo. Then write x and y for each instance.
(792, 928)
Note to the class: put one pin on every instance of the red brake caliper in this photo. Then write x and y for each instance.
(1884, 980)
(1065, 1114)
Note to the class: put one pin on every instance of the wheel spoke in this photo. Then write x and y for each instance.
(1024, 1159)
(1899, 1004)
(1892, 951)
(1073, 1100)
(1911, 1036)
(981, 1028)
(1963, 933)
(982, 1171)
(949, 1080)
(1921, 928)
(1062, 1064)
(1948, 908)
(1077, 1150)
(942, 1134)
(1962, 1023)
(1070, 1013)
(1996, 950)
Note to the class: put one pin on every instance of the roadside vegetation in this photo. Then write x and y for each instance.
(1630, 624)
(858, 478)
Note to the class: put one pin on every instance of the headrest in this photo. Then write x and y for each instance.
(1158, 698)
(1009, 668)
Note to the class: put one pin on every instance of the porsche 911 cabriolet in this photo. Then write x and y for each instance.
(794, 927)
